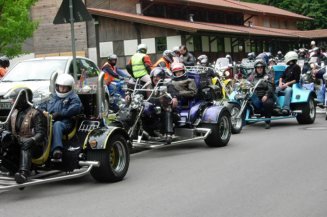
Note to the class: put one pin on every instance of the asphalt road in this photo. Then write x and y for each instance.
(276, 172)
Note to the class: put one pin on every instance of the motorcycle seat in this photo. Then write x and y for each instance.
(281, 93)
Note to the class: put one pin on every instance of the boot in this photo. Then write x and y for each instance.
(57, 153)
(169, 138)
(267, 125)
(21, 177)
(285, 112)
(169, 127)
(277, 111)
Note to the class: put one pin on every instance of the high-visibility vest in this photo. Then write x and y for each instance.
(138, 66)
(159, 61)
(3, 71)
(107, 77)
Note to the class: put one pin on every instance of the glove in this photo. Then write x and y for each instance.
(27, 144)
(56, 116)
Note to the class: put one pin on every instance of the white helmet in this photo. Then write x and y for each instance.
(228, 56)
(65, 80)
(279, 52)
(291, 56)
(313, 43)
(142, 48)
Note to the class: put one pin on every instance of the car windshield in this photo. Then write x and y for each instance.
(35, 70)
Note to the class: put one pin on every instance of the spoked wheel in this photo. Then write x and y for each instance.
(237, 123)
(114, 160)
(308, 115)
(220, 132)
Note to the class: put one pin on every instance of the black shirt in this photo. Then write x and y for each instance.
(291, 73)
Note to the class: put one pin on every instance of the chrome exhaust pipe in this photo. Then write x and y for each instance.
(100, 94)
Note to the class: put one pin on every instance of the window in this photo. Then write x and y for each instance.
(90, 68)
(275, 23)
(266, 22)
(221, 44)
(292, 25)
(199, 15)
(283, 24)
(197, 43)
(154, 10)
(161, 44)
(217, 17)
(78, 68)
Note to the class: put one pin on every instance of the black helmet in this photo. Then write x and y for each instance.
(168, 55)
(21, 101)
(4, 62)
(157, 71)
(112, 57)
(205, 61)
(272, 60)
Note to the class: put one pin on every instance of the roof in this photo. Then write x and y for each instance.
(246, 6)
(322, 33)
(184, 25)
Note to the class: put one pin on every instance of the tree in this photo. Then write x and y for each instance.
(15, 26)
(316, 9)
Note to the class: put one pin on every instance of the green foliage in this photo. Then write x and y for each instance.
(15, 26)
(316, 9)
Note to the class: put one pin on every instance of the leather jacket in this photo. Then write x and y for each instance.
(186, 87)
(264, 88)
(188, 59)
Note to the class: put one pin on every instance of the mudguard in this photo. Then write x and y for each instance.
(300, 95)
(102, 135)
(232, 97)
(211, 114)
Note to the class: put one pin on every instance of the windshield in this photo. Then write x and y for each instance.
(222, 62)
(35, 70)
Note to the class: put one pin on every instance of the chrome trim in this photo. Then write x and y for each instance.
(100, 94)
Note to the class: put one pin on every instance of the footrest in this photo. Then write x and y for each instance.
(56, 160)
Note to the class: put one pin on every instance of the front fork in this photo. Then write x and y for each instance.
(131, 130)
(243, 106)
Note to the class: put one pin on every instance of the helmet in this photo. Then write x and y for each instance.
(65, 80)
(228, 56)
(168, 55)
(316, 49)
(176, 49)
(142, 48)
(205, 61)
(4, 62)
(157, 71)
(250, 54)
(178, 67)
(272, 60)
(263, 56)
(279, 52)
(291, 56)
(301, 51)
(112, 57)
(313, 43)
(21, 101)
(259, 62)
(203, 56)
(270, 56)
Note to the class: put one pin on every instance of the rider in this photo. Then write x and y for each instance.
(160, 99)
(303, 56)
(188, 58)
(265, 90)
(165, 61)
(4, 64)
(321, 58)
(250, 56)
(201, 57)
(272, 62)
(209, 69)
(184, 85)
(229, 59)
(280, 56)
(63, 105)
(111, 72)
(177, 58)
(139, 65)
(29, 126)
(290, 76)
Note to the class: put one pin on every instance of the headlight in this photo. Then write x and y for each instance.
(325, 76)
(220, 73)
(247, 85)
(312, 65)
(237, 86)
(227, 73)
(308, 72)
(121, 103)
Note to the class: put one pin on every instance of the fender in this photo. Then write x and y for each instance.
(227, 81)
(303, 95)
(232, 96)
(102, 135)
(211, 114)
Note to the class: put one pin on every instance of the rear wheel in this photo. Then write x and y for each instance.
(308, 115)
(237, 123)
(220, 132)
(114, 160)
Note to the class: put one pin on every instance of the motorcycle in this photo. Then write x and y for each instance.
(246, 107)
(199, 119)
(226, 75)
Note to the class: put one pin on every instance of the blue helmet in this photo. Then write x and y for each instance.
(263, 56)
(157, 71)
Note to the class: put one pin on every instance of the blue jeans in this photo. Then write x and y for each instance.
(58, 128)
(305, 69)
(320, 75)
(287, 99)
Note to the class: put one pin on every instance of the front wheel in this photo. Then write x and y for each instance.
(114, 160)
(308, 115)
(220, 132)
(237, 123)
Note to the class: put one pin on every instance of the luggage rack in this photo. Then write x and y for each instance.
(7, 183)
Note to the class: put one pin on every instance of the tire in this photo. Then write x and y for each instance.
(234, 110)
(220, 132)
(308, 115)
(114, 160)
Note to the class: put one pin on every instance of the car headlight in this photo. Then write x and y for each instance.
(220, 73)
(312, 65)
(237, 86)
(247, 85)
(227, 73)
(325, 76)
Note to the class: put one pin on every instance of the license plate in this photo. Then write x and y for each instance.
(5, 105)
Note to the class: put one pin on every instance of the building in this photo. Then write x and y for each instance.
(211, 27)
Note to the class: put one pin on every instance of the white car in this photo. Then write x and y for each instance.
(36, 73)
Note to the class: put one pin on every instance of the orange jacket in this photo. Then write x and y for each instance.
(3, 71)
(107, 77)
(159, 61)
